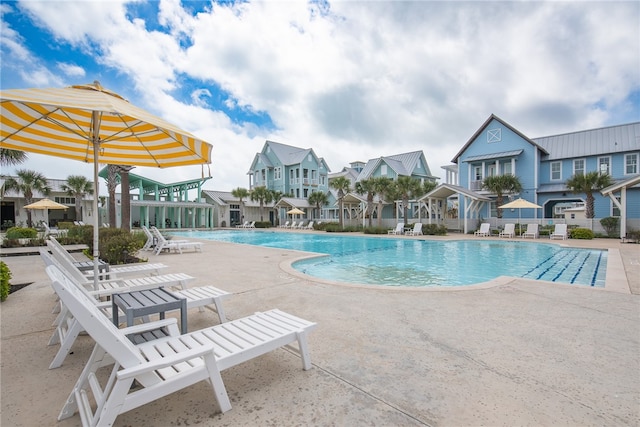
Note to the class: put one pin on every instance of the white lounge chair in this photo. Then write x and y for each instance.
(559, 232)
(48, 231)
(107, 270)
(532, 231)
(165, 365)
(398, 230)
(309, 226)
(243, 225)
(293, 225)
(252, 224)
(509, 231)
(484, 230)
(175, 245)
(68, 328)
(416, 231)
(150, 243)
(285, 225)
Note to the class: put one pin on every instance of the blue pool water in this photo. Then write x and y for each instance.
(413, 262)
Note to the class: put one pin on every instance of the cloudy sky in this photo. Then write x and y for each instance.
(353, 80)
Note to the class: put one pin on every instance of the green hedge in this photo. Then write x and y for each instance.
(22, 233)
(5, 276)
(581, 233)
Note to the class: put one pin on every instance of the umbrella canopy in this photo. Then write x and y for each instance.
(519, 204)
(295, 211)
(46, 204)
(94, 125)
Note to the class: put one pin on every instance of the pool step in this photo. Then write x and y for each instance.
(568, 267)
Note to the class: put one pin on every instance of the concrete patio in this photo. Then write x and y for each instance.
(506, 353)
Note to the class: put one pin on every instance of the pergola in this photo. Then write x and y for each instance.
(621, 187)
(435, 203)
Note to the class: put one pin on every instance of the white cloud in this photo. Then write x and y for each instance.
(366, 79)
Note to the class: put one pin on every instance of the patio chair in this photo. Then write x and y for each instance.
(175, 245)
(509, 231)
(559, 232)
(484, 230)
(285, 225)
(68, 329)
(165, 365)
(293, 225)
(243, 225)
(108, 270)
(398, 230)
(48, 231)
(252, 224)
(416, 231)
(150, 243)
(532, 231)
(309, 226)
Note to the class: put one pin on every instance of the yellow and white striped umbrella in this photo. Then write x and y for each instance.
(64, 122)
(94, 125)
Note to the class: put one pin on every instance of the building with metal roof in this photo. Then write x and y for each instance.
(543, 165)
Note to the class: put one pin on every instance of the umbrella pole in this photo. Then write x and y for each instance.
(96, 152)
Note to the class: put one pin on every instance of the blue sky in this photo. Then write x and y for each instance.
(352, 80)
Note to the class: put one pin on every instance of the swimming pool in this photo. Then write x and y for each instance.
(419, 263)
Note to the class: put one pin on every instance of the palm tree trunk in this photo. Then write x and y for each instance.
(126, 204)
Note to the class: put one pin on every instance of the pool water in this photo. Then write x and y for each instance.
(415, 262)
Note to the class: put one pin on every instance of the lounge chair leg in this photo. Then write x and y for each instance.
(304, 350)
(219, 390)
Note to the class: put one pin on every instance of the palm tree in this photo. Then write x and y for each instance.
(240, 193)
(319, 199)
(501, 185)
(588, 183)
(26, 182)
(78, 186)
(381, 185)
(275, 198)
(12, 157)
(126, 199)
(263, 195)
(112, 184)
(367, 186)
(342, 185)
(407, 187)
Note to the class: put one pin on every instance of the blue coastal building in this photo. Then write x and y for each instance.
(543, 165)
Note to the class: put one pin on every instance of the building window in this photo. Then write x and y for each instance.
(477, 173)
(630, 164)
(383, 170)
(615, 211)
(604, 165)
(506, 169)
(306, 193)
(492, 170)
(277, 173)
(556, 171)
(578, 167)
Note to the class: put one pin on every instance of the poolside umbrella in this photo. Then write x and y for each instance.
(46, 204)
(520, 204)
(295, 211)
(94, 125)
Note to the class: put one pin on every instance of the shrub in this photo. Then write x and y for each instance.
(22, 233)
(375, 230)
(610, 225)
(581, 233)
(5, 276)
(434, 229)
(117, 245)
(263, 224)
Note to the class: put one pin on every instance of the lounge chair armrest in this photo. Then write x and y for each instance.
(165, 362)
(149, 326)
